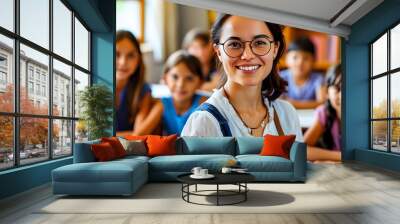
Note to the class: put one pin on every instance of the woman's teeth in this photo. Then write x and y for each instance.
(249, 68)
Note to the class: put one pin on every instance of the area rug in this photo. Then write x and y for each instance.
(167, 198)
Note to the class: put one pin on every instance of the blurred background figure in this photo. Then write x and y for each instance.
(197, 42)
(306, 89)
(323, 137)
(133, 95)
(183, 76)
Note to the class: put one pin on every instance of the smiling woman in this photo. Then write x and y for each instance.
(246, 103)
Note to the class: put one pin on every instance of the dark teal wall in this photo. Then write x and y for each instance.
(356, 98)
(99, 16)
(103, 51)
(24, 178)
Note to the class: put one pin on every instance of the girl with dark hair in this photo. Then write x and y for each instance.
(198, 43)
(136, 109)
(183, 76)
(246, 103)
(323, 137)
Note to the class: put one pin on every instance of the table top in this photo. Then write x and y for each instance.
(220, 178)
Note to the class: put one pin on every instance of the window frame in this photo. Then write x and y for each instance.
(16, 115)
(388, 74)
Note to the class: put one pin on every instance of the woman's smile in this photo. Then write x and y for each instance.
(248, 68)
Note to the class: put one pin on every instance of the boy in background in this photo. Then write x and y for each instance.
(306, 89)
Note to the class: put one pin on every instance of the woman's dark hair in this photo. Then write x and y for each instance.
(136, 80)
(182, 56)
(272, 86)
(302, 44)
(334, 79)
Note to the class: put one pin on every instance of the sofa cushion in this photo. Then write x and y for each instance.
(249, 145)
(257, 163)
(277, 145)
(112, 171)
(161, 145)
(206, 145)
(134, 147)
(185, 163)
(116, 145)
(103, 152)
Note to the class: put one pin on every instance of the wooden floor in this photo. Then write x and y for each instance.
(377, 188)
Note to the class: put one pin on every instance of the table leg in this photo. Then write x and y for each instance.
(217, 194)
(245, 191)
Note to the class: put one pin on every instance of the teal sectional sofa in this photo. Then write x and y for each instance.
(125, 176)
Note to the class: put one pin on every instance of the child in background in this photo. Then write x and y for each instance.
(136, 109)
(183, 76)
(323, 137)
(306, 89)
(197, 43)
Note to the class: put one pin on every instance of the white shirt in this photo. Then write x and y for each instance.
(203, 123)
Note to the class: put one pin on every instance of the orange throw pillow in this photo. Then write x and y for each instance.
(103, 151)
(136, 137)
(161, 145)
(116, 145)
(277, 145)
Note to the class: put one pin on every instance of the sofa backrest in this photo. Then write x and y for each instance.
(83, 152)
(205, 145)
(249, 145)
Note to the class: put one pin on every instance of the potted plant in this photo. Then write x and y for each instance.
(95, 103)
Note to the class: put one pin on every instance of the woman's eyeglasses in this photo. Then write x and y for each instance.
(259, 46)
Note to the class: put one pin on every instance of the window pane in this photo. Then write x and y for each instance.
(6, 142)
(81, 81)
(62, 89)
(379, 135)
(81, 132)
(34, 96)
(379, 98)
(35, 21)
(62, 138)
(395, 138)
(395, 94)
(395, 47)
(379, 55)
(62, 29)
(6, 74)
(33, 140)
(81, 45)
(7, 14)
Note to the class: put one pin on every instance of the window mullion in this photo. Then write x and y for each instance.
(16, 84)
(50, 81)
(389, 102)
(73, 82)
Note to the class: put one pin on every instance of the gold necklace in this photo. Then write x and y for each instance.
(250, 130)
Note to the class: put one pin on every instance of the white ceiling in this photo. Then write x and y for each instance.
(328, 16)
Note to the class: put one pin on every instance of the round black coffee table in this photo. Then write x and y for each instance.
(238, 179)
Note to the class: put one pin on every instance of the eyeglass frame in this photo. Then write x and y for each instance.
(244, 43)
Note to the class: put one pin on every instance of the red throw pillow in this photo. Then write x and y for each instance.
(116, 145)
(161, 145)
(103, 151)
(136, 137)
(277, 145)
